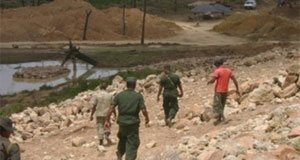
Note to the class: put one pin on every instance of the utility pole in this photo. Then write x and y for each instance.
(144, 22)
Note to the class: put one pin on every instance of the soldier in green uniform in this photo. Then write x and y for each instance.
(129, 103)
(8, 150)
(169, 83)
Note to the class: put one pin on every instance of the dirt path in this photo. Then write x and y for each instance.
(200, 34)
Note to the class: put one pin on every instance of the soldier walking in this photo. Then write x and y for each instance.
(221, 76)
(129, 103)
(8, 150)
(102, 101)
(169, 83)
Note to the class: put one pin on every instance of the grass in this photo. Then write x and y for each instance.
(39, 98)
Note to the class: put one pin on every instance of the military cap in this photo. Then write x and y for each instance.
(131, 79)
(7, 124)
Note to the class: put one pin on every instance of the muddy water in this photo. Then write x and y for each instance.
(8, 85)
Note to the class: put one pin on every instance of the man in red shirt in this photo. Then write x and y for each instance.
(222, 75)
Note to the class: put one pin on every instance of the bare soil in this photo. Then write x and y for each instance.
(64, 19)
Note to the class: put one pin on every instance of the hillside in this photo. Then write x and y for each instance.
(64, 19)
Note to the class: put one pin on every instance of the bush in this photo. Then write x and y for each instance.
(13, 108)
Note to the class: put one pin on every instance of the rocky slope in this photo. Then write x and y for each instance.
(262, 124)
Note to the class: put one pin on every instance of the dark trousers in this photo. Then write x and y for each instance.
(129, 141)
(171, 107)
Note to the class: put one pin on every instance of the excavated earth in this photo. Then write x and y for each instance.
(65, 19)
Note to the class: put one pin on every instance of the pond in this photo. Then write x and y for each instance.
(8, 85)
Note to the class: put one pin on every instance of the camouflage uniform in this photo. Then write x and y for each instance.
(103, 101)
(8, 150)
(129, 103)
(170, 82)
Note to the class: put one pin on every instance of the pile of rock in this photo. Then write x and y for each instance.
(41, 72)
(284, 87)
(39, 121)
(274, 136)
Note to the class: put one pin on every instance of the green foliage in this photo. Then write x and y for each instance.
(45, 87)
(103, 3)
(13, 108)
(140, 74)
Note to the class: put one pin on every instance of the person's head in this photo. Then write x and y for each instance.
(131, 82)
(219, 62)
(167, 68)
(6, 127)
(103, 86)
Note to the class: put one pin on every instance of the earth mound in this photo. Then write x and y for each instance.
(64, 19)
(260, 25)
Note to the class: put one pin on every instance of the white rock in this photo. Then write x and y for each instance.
(151, 144)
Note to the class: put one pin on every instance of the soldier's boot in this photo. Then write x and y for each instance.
(107, 134)
(101, 142)
(169, 122)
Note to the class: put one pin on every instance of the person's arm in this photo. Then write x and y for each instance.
(236, 85)
(92, 113)
(145, 113)
(108, 115)
(181, 90)
(93, 109)
(159, 92)
(213, 79)
(115, 114)
(142, 107)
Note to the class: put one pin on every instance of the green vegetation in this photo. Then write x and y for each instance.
(154, 6)
(133, 55)
(49, 95)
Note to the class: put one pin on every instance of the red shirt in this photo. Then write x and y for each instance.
(222, 75)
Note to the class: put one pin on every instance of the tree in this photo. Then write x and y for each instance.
(144, 22)
(134, 3)
(123, 17)
(88, 13)
(175, 6)
(23, 3)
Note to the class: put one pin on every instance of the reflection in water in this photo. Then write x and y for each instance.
(9, 86)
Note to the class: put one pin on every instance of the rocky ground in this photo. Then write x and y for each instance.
(263, 124)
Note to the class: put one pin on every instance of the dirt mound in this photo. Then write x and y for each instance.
(63, 19)
(257, 25)
(293, 13)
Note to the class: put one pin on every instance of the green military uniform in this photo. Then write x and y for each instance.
(103, 101)
(8, 150)
(129, 103)
(170, 82)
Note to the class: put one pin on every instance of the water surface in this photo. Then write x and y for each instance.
(8, 85)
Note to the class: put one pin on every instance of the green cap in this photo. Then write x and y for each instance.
(7, 124)
(131, 80)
